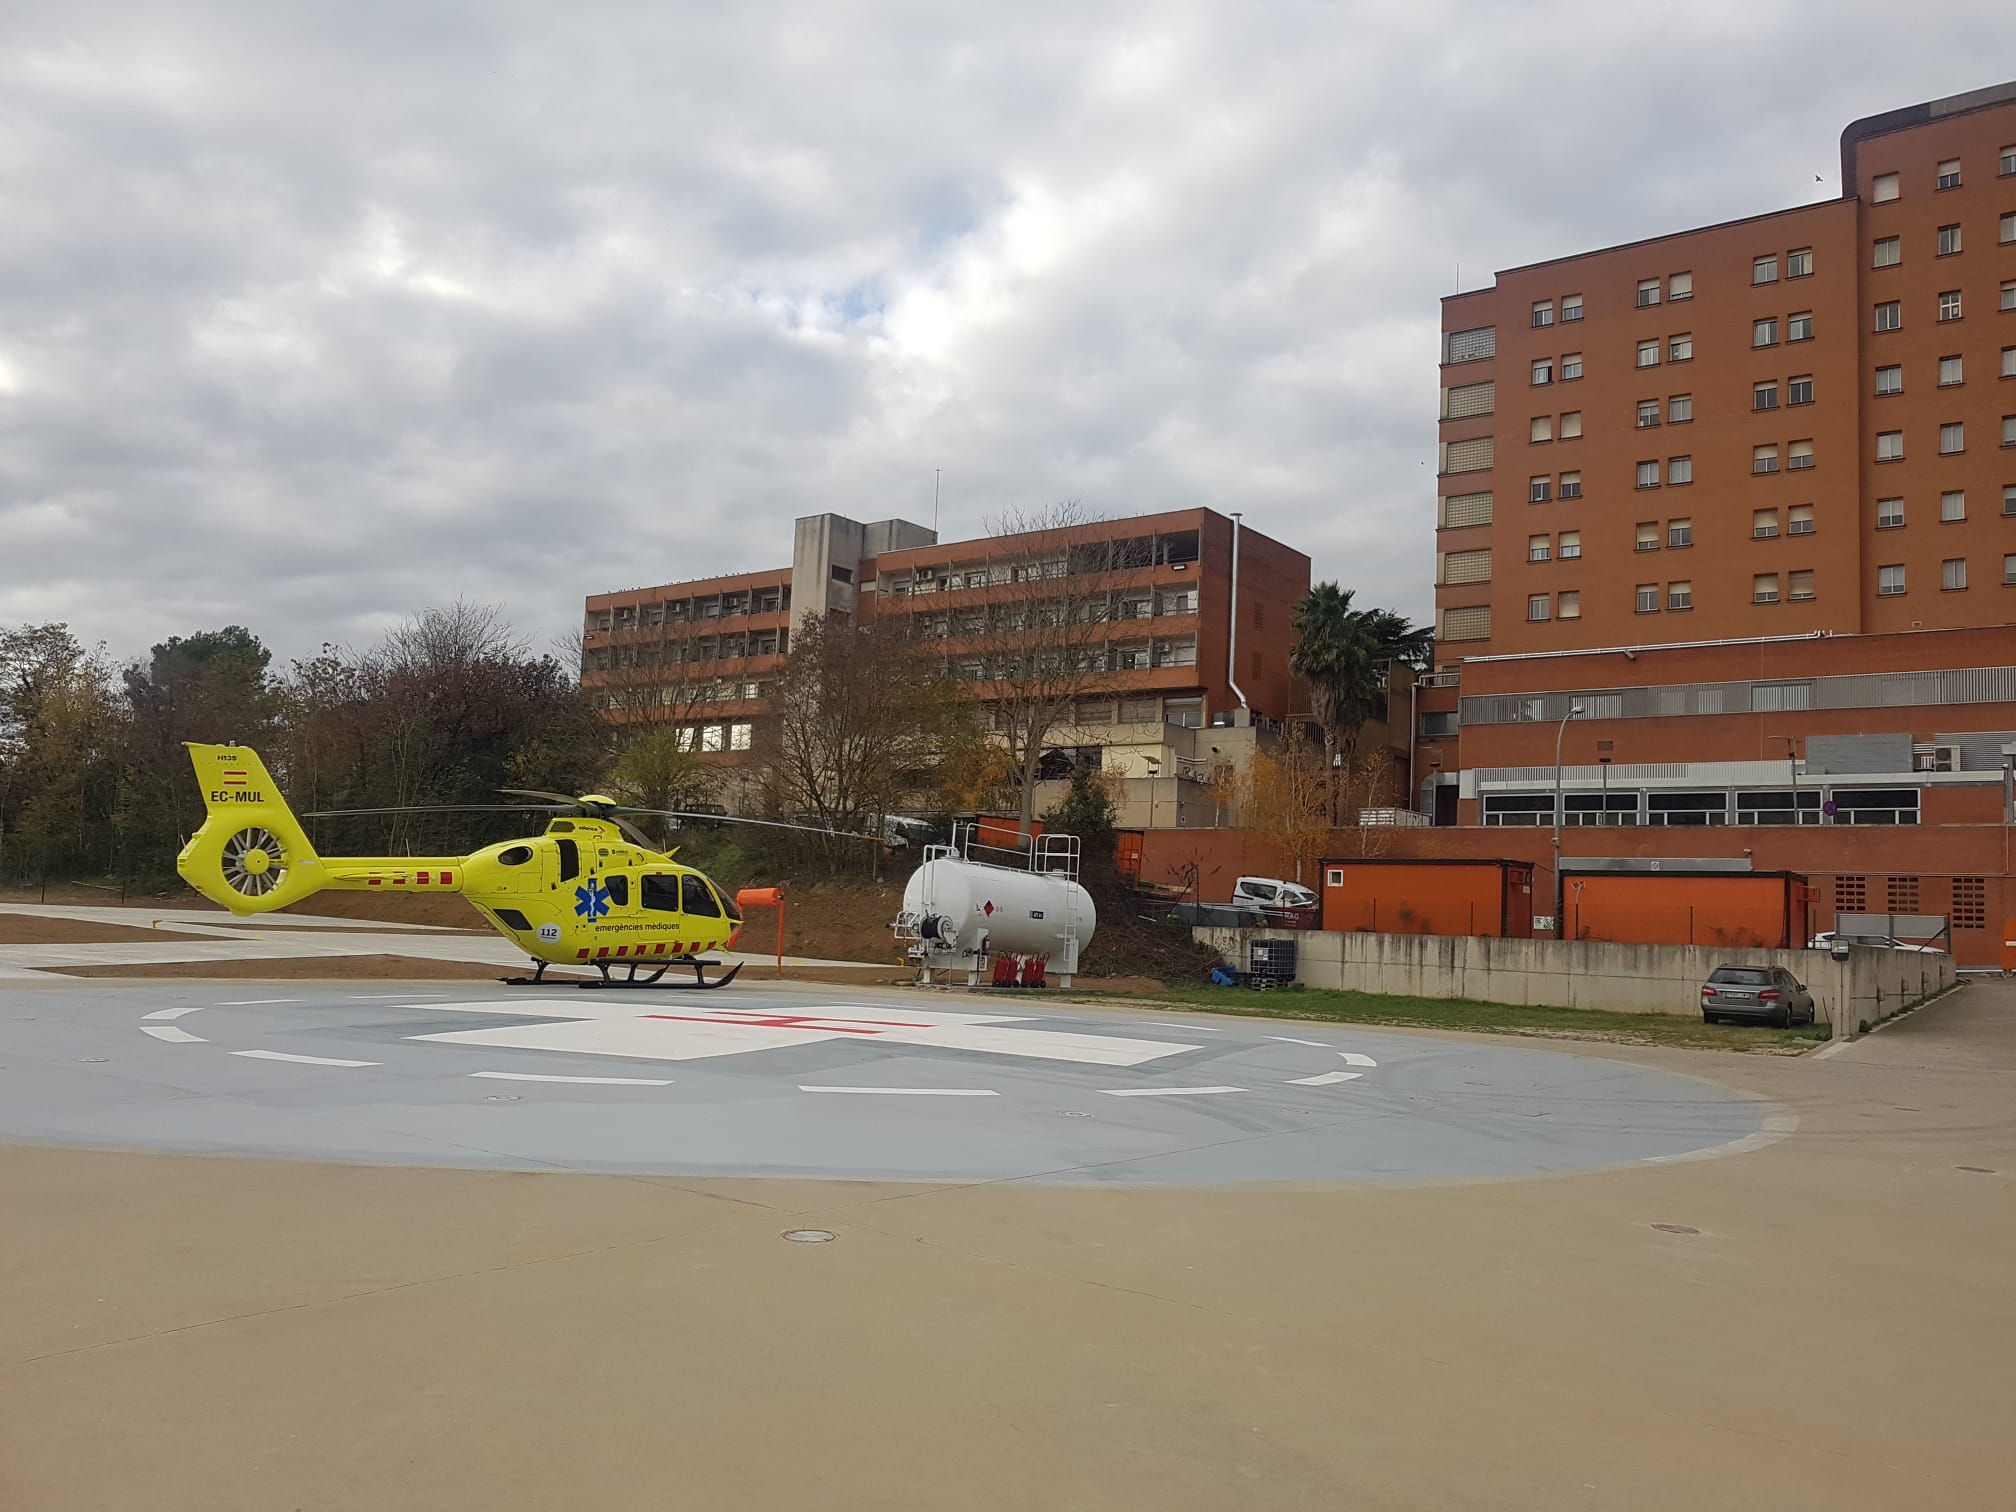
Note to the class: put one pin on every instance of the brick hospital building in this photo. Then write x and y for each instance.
(1731, 515)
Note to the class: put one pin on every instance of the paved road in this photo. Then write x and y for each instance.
(1823, 1323)
(775, 1080)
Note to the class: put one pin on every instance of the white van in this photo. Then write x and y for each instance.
(1272, 893)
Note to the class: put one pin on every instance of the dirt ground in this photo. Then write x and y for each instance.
(1821, 1325)
(29, 929)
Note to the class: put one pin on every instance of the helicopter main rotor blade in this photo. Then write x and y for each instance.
(810, 829)
(572, 803)
(441, 808)
(637, 836)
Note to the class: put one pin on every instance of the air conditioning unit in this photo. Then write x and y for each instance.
(1935, 758)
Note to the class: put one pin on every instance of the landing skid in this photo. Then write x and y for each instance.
(605, 979)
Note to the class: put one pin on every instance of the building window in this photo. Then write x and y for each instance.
(1680, 595)
(1466, 567)
(1474, 345)
(1970, 902)
(1763, 459)
(1539, 548)
(1949, 305)
(1571, 425)
(1764, 270)
(1949, 240)
(1679, 533)
(1467, 399)
(1648, 474)
(1680, 348)
(1539, 606)
(1460, 510)
(1570, 605)
(1648, 292)
(2007, 164)
(1890, 380)
(1889, 514)
(1799, 263)
(1764, 333)
(1543, 371)
(2008, 571)
(1949, 174)
(1680, 286)
(1799, 587)
(1799, 390)
(1799, 456)
(1571, 307)
(1764, 588)
(1571, 545)
(1648, 353)
(2009, 362)
(1953, 574)
(1647, 601)
(2009, 498)
(1541, 429)
(1889, 446)
(1648, 535)
(1571, 485)
(1950, 372)
(2006, 229)
(1679, 409)
(2008, 299)
(1648, 413)
(1799, 327)
(1952, 505)
(1889, 315)
(1763, 524)
(1890, 580)
(1952, 437)
(2009, 430)
(1883, 188)
(1889, 251)
(1763, 396)
(1539, 490)
(1679, 470)
(1571, 366)
(1543, 313)
(1470, 622)
(1799, 520)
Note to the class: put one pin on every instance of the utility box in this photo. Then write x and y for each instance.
(1429, 897)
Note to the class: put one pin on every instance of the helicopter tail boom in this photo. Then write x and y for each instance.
(252, 856)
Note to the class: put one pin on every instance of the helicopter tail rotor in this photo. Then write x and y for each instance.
(250, 854)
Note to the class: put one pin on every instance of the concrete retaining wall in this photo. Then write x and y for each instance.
(1591, 973)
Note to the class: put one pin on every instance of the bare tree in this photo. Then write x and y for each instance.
(1284, 798)
(1043, 645)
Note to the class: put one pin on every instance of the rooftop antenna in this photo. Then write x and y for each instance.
(934, 498)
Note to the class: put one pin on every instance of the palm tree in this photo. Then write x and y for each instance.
(1343, 653)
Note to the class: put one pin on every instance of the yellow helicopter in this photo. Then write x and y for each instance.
(590, 891)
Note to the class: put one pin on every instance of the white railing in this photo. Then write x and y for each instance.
(1393, 818)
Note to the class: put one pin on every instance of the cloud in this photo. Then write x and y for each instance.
(310, 317)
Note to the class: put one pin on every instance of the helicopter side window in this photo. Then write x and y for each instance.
(619, 889)
(516, 855)
(698, 897)
(659, 893)
(570, 859)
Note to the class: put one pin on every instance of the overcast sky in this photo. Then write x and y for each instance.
(313, 315)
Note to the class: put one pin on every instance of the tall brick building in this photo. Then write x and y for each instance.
(1729, 518)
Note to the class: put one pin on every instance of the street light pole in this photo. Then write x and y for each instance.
(1792, 762)
(1560, 734)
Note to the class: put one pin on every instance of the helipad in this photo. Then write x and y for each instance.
(782, 1080)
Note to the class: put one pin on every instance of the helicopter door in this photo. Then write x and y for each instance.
(658, 893)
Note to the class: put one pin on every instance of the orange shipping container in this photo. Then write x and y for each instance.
(1430, 897)
(1770, 910)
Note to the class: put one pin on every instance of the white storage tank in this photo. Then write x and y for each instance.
(962, 913)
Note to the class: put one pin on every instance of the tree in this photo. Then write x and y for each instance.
(854, 727)
(655, 771)
(1284, 797)
(1087, 810)
(1342, 654)
(1042, 645)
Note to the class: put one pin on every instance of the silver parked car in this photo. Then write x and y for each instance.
(1770, 993)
